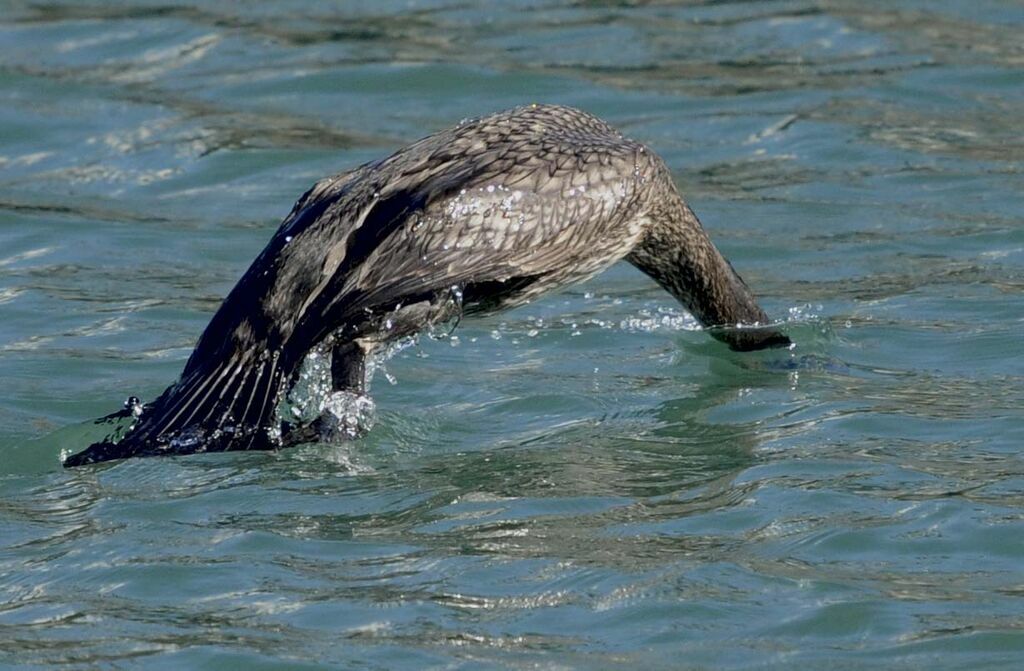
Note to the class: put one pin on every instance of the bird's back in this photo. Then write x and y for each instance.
(537, 191)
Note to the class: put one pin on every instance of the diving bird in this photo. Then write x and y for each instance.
(473, 219)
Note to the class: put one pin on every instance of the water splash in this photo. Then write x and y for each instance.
(343, 415)
(378, 361)
(346, 416)
(660, 319)
(308, 395)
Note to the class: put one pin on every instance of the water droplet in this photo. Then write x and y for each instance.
(456, 294)
(133, 404)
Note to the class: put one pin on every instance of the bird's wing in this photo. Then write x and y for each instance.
(563, 228)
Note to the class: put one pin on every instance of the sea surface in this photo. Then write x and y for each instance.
(589, 481)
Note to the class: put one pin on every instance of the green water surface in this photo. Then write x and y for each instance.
(586, 482)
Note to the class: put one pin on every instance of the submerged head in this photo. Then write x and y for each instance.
(750, 338)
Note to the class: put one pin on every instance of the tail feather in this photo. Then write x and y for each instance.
(194, 397)
(229, 406)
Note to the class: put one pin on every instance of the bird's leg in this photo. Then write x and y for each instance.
(348, 412)
(348, 367)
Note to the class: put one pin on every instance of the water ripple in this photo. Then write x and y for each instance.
(590, 481)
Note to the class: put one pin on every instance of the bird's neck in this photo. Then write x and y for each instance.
(679, 255)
